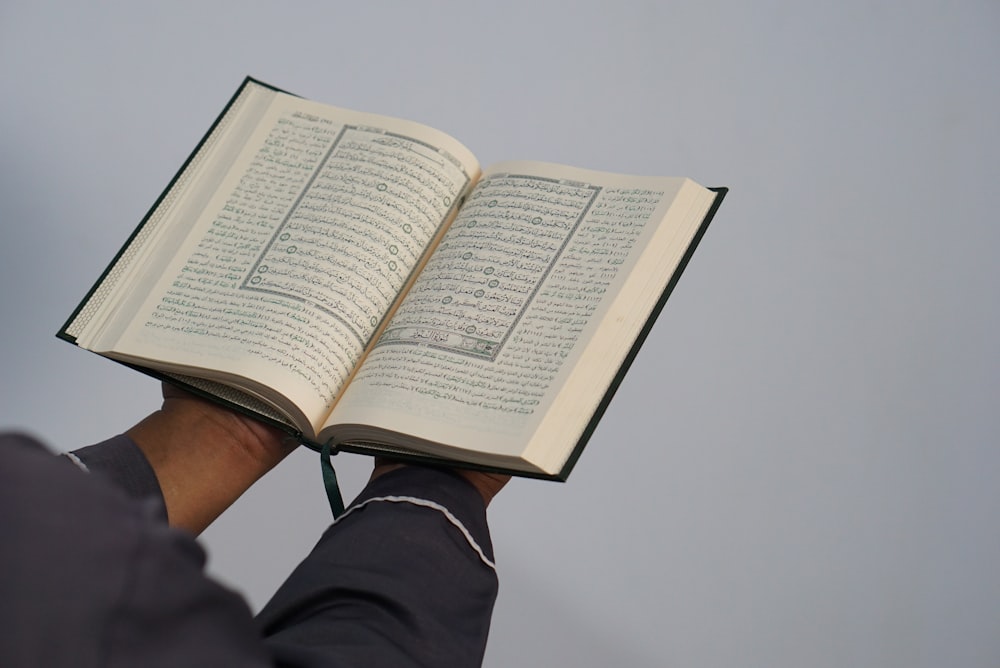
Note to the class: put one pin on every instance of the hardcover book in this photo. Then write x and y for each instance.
(361, 281)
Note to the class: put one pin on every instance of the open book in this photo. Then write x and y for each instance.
(360, 280)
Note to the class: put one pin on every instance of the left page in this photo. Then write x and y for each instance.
(276, 279)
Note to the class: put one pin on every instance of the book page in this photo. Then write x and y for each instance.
(292, 265)
(487, 336)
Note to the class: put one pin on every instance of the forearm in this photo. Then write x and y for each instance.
(204, 456)
(198, 487)
(195, 455)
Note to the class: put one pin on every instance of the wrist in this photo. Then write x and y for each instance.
(487, 484)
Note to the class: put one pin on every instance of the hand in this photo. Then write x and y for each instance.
(205, 456)
(486, 483)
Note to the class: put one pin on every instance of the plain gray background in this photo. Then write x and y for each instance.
(802, 467)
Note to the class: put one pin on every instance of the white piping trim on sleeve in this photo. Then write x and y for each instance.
(76, 460)
(433, 506)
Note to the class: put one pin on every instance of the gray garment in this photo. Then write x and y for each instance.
(90, 575)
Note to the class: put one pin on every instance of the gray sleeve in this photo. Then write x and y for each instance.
(404, 578)
(90, 577)
(120, 461)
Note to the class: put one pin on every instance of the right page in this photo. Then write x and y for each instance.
(521, 321)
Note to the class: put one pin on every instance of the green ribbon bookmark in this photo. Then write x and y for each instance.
(330, 480)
